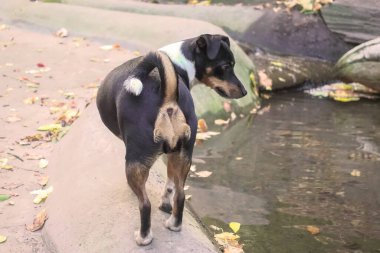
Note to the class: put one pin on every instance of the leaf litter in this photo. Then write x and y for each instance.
(42, 194)
(38, 221)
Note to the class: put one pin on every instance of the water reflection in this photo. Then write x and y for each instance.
(297, 159)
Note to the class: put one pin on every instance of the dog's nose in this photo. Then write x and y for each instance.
(243, 91)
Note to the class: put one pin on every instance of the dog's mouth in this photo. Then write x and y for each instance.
(221, 92)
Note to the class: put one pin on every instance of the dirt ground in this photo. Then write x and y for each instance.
(43, 79)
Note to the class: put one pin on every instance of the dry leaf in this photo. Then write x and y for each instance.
(44, 180)
(12, 119)
(220, 122)
(110, 47)
(203, 173)
(202, 126)
(265, 81)
(4, 164)
(206, 135)
(233, 116)
(193, 168)
(355, 173)
(232, 249)
(227, 106)
(38, 221)
(188, 196)
(264, 110)
(50, 127)
(42, 194)
(31, 100)
(62, 33)
(69, 95)
(238, 158)
(215, 228)
(186, 187)
(43, 163)
(3, 238)
(235, 226)
(313, 230)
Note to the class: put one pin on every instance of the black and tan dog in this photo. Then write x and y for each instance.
(153, 113)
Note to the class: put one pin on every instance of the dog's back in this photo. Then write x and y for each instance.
(159, 114)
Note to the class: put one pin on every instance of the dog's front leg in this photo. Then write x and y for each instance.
(137, 175)
(178, 167)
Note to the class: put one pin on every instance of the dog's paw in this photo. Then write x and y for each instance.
(142, 241)
(170, 224)
(133, 86)
(166, 207)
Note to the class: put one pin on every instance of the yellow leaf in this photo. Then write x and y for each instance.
(277, 63)
(41, 194)
(3, 238)
(226, 236)
(4, 164)
(50, 127)
(235, 226)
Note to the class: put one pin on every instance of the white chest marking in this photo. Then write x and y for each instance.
(175, 54)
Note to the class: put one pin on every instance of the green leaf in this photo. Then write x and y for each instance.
(4, 197)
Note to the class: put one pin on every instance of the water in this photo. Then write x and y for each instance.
(291, 167)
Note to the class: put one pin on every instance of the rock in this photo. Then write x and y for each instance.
(136, 32)
(294, 33)
(235, 19)
(354, 21)
(92, 208)
(361, 64)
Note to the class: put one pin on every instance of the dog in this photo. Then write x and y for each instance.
(146, 102)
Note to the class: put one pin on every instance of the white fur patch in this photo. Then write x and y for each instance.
(175, 54)
(142, 241)
(133, 86)
(170, 224)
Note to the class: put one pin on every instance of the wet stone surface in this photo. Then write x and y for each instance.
(306, 161)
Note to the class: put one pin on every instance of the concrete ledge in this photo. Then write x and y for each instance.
(92, 208)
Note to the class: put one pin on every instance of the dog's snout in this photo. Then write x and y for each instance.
(243, 90)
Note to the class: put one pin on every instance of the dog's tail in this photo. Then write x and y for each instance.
(168, 76)
(170, 125)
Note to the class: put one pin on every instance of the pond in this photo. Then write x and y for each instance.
(303, 161)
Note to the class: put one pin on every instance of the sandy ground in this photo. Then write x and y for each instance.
(59, 74)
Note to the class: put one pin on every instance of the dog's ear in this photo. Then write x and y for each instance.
(210, 44)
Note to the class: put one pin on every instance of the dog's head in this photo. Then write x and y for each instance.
(214, 64)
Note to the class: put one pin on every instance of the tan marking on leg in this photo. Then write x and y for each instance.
(179, 166)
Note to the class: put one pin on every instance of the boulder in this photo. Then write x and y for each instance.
(136, 32)
(92, 209)
(296, 34)
(361, 64)
(354, 21)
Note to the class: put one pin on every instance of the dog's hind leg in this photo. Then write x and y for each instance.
(179, 166)
(137, 175)
(167, 195)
